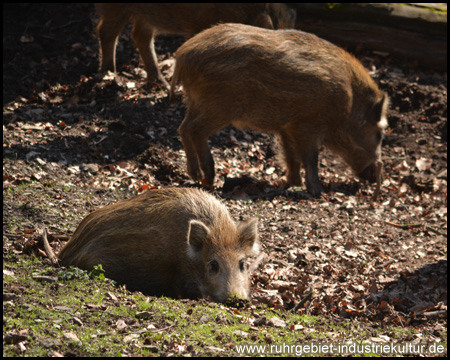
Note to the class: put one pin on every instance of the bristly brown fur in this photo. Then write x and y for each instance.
(151, 19)
(147, 243)
(303, 89)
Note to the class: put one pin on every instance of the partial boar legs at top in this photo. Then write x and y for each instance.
(186, 19)
(305, 90)
(176, 242)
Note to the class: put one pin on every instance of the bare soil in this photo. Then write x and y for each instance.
(111, 138)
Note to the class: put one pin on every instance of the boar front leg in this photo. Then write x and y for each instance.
(143, 39)
(291, 159)
(108, 30)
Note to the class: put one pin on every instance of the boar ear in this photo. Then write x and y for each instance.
(248, 236)
(197, 235)
(263, 20)
(293, 15)
(377, 114)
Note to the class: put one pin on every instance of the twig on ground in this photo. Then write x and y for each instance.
(307, 297)
(416, 225)
(48, 249)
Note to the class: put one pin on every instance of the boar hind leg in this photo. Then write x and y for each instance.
(200, 162)
(310, 158)
(108, 32)
(206, 159)
(291, 160)
(143, 39)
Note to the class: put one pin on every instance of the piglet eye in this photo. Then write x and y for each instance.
(242, 265)
(213, 266)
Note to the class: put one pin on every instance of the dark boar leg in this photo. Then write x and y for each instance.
(200, 130)
(293, 172)
(143, 38)
(291, 160)
(205, 158)
(193, 166)
(310, 158)
(108, 31)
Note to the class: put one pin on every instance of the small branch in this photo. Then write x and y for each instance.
(433, 314)
(403, 226)
(48, 249)
(307, 297)
(149, 330)
(13, 236)
(61, 237)
(431, 228)
(416, 225)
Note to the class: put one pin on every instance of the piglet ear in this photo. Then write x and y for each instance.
(248, 236)
(197, 236)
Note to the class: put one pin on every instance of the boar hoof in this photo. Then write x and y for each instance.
(159, 82)
(197, 176)
(195, 172)
(294, 179)
(209, 179)
(369, 173)
(315, 189)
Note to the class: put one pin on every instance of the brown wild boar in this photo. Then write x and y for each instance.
(177, 242)
(304, 89)
(185, 19)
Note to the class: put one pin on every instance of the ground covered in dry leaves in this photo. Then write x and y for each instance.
(63, 126)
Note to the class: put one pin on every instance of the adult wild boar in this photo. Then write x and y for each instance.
(177, 242)
(304, 89)
(186, 19)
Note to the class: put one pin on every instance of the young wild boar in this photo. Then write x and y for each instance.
(185, 19)
(305, 90)
(177, 242)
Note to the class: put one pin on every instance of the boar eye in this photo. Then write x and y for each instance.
(213, 266)
(242, 265)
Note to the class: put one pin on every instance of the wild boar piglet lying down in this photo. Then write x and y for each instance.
(304, 89)
(177, 242)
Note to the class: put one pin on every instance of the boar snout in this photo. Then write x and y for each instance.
(373, 173)
(369, 173)
(228, 282)
(225, 270)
